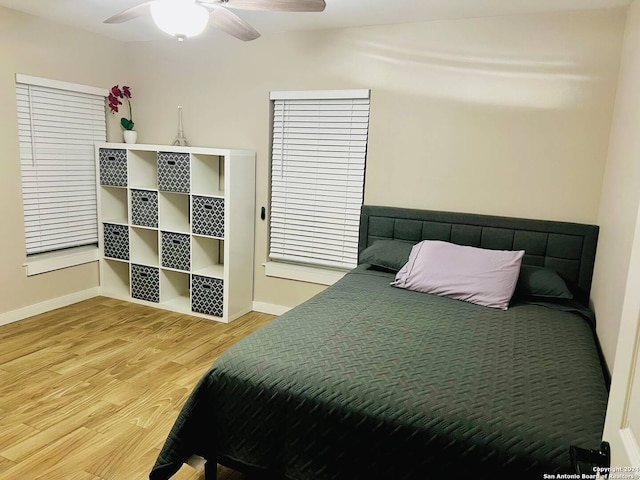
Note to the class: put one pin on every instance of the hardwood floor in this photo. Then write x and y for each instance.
(90, 391)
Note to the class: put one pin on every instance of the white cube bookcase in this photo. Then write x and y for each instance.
(213, 277)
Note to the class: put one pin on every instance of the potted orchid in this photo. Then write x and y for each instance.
(116, 94)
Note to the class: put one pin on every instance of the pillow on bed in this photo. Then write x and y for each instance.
(541, 282)
(388, 255)
(476, 275)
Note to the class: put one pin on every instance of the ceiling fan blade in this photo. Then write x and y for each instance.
(276, 5)
(232, 24)
(130, 13)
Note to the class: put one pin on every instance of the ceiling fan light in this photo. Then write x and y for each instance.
(180, 18)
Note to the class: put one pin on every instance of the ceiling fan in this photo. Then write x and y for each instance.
(186, 18)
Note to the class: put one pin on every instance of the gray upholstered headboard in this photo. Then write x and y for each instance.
(568, 248)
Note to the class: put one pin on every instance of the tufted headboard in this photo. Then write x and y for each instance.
(568, 248)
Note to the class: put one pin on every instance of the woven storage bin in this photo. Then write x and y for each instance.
(116, 241)
(173, 172)
(113, 167)
(145, 283)
(176, 251)
(207, 295)
(144, 208)
(208, 216)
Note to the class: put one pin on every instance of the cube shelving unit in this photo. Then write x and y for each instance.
(177, 227)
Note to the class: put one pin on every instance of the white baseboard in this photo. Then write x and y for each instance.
(270, 308)
(42, 307)
(48, 305)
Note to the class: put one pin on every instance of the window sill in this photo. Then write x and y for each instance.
(303, 273)
(50, 261)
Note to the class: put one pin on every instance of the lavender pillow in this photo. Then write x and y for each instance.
(476, 275)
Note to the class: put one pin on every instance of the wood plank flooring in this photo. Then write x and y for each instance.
(90, 391)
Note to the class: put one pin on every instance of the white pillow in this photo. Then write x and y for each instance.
(477, 275)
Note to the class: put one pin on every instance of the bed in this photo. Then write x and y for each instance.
(366, 380)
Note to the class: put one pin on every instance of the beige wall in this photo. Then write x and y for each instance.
(620, 193)
(507, 115)
(34, 47)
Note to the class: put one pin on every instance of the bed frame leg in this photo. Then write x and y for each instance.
(210, 471)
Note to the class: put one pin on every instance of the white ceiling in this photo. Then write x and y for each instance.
(89, 14)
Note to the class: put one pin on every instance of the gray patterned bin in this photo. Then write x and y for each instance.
(116, 241)
(144, 208)
(176, 251)
(207, 295)
(208, 216)
(145, 283)
(173, 172)
(113, 167)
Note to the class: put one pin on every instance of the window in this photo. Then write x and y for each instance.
(317, 176)
(58, 124)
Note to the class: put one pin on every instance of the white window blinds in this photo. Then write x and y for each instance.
(317, 176)
(58, 124)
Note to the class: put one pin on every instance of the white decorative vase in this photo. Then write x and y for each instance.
(130, 136)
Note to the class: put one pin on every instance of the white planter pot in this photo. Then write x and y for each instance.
(130, 136)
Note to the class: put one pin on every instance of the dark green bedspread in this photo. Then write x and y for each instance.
(369, 381)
